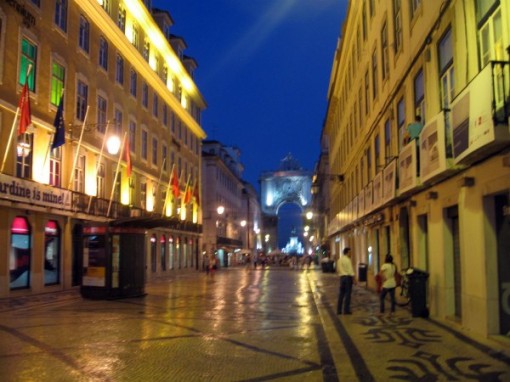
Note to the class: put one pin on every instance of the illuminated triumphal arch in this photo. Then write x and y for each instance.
(289, 184)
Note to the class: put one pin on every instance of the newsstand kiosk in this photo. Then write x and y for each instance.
(113, 262)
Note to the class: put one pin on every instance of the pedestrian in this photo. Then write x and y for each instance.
(387, 276)
(346, 282)
(207, 262)
(213, 265)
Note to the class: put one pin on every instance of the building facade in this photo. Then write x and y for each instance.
(231, 210)
(110, 68)
(418, 127)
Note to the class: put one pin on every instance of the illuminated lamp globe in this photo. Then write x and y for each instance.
(113, 145)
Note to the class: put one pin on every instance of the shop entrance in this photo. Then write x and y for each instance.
(502, 206)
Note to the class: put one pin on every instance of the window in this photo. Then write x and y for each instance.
(165, 74)
(446, 70)
(369, 163)
(164, 157)
(132, 136)
(419, 95)
(155, 105)
(57, 82)
(20, 254)
(119, 73)
(165, 115)
(146, 50)
(84, 34)
(372, 8)
(385, 64)
(28, 58)
(101, 114)
(415, 5)
(377, 154)
(121, 18)
(387, 141)
(364, 20)
(100, 179)
(145, 95)
(51, 253)
(144, 144)
(118, 121)
(24, 156)
(143, 194)
(103, 53)
(79, 174)
(133, 77)
(55, 167)
(61, 14)
(154, 151)
(135, 40)
(374, 74)
(401, 121)
(397, 24)
(107, 5)
(367, 93)
(490, 31)
(82, 91)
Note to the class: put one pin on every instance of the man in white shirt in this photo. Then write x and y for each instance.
(346, 281)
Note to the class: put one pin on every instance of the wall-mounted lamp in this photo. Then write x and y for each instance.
(432, 195)
(466, 181)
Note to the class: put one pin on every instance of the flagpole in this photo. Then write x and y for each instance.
(159, 181)
(116, 174)
(168, 189)
(53, 137)
(9, 142)
(71, 178)
(98, 164)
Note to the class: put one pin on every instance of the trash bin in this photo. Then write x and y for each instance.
(327, 266)
(362, 272)
(418, 292)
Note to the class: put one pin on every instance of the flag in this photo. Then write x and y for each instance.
(25, 119)
(187, 194)
(175, 183)
(127, 157)
(196, 194)
(60, 133)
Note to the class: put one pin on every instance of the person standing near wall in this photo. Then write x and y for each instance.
(389, 283)
(346, 282)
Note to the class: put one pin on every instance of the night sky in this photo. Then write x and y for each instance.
(263, 69)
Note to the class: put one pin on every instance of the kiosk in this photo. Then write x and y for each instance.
(113, 262)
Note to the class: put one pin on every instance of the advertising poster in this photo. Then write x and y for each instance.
(94, 261)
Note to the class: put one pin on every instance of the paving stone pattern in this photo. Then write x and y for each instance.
(275, 324)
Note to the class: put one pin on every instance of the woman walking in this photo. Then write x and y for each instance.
(389, 284)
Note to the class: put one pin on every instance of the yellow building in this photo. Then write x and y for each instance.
(418, 128)
(121, 73)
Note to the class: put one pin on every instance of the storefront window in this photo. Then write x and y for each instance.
(20, 256)
(162, 243)
(153, 254)
(51, 253)
(171, 251)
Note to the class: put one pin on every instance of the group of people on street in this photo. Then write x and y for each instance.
(210, 264)
(386, 276)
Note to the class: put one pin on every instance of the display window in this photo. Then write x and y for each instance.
(20, 253)
(51, 253)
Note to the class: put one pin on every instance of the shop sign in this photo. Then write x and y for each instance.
(25, 191)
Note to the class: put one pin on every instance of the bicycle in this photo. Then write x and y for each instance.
(402, 297)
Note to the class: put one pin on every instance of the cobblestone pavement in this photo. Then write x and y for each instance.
(257, 325)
